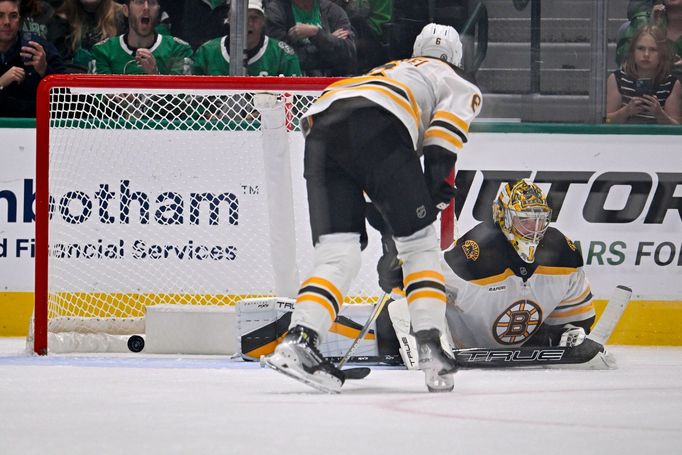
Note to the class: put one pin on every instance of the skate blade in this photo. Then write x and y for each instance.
(320, 381)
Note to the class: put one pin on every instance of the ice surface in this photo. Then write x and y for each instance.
(137, 403)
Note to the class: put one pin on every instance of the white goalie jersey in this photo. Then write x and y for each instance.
(497, 300)
(435, 104)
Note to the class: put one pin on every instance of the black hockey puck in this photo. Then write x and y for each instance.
(136, 343)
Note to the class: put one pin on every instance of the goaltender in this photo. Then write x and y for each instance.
(512, 280)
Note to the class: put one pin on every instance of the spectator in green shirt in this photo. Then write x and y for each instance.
(265, 56)
(142, 50)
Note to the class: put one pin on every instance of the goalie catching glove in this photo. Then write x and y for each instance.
(438, 164)
(573, 336)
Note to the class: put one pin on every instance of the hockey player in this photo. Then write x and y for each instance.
(266, 56)
(142, 50)
(367, 134)
(512, 280)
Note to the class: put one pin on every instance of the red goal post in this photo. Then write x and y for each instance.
(164, 189)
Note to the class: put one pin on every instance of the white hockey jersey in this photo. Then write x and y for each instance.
(497, 300)
(434, 103)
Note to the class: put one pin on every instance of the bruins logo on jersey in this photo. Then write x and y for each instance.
(471, 250)
(571, 245)
(518, 322)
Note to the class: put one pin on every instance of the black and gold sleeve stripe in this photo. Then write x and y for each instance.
(447, 127)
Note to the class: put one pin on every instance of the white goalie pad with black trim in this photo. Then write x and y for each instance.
(263, 322)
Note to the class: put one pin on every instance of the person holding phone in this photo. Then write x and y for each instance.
(24, 60)
(644, 90)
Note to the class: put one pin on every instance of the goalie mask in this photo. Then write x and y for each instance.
(439, 41)
(522, 213)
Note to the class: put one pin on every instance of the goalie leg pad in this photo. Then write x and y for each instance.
(262, 323)
(400, 318)
(407, 344)
(387, 340)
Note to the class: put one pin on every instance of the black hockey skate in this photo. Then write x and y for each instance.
(297, 356)
(437, 365)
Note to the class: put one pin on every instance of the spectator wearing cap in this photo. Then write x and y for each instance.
(23, 63)
(320, 33)
(265, 56)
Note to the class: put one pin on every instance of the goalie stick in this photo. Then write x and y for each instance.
(587, 353)
(612, 314)
(590, 354)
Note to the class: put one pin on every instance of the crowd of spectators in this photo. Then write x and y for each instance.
(284, 37)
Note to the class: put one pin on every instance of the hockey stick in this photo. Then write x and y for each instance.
(529, 356)
(612, 314)
(362, 372)
(591, 355)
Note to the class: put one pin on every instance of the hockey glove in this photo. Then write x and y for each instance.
(438, 164)
(389, 268)
(390, 273)
(572, 336)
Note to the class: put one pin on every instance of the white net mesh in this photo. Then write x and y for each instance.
(158, 196)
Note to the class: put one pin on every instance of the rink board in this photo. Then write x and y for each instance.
(620, 207)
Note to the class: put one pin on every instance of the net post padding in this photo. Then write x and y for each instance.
(277, 166)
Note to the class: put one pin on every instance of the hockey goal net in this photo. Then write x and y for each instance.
(157, 190)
